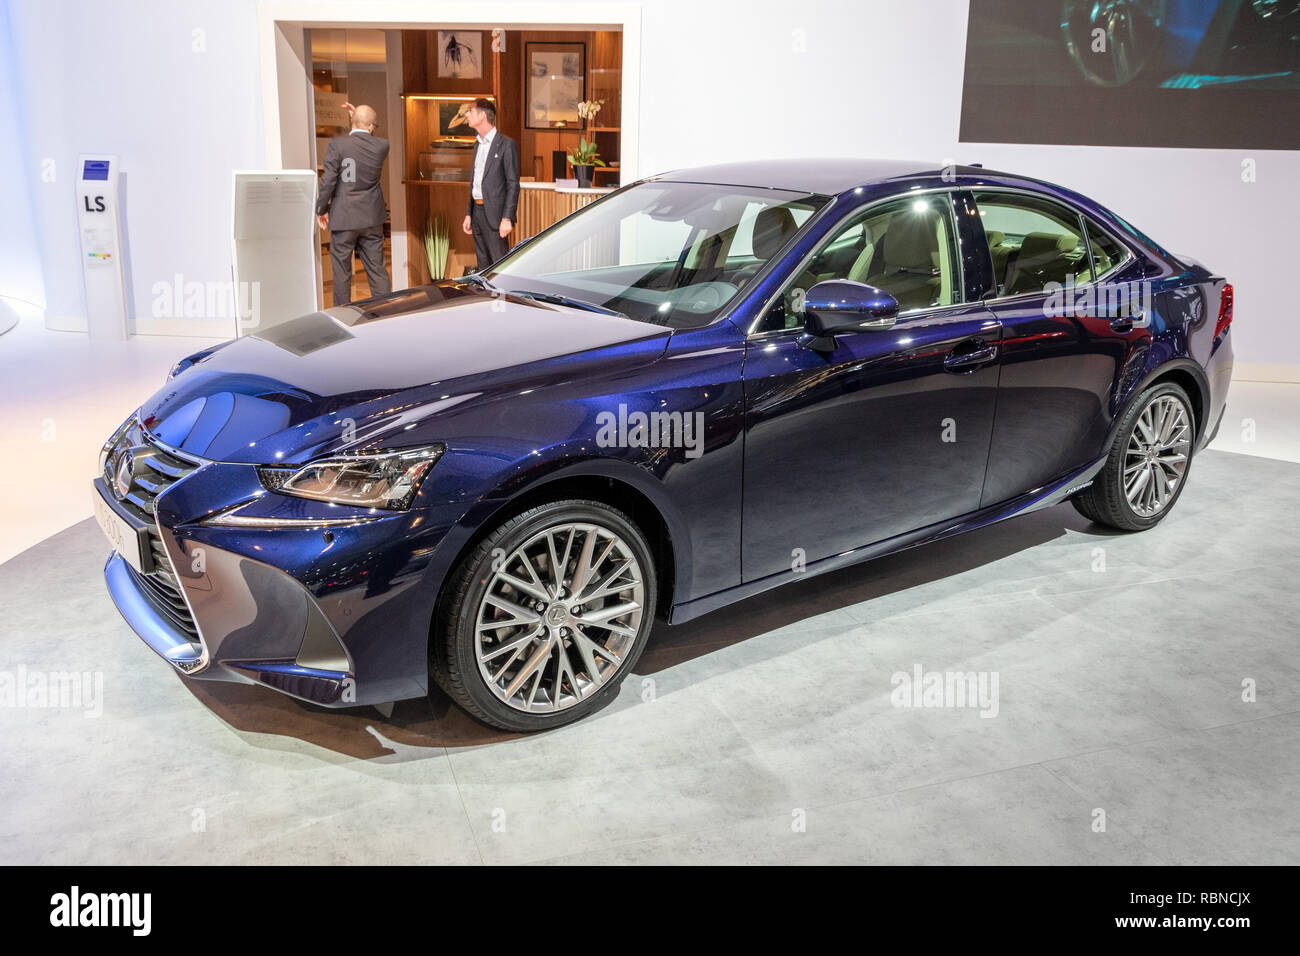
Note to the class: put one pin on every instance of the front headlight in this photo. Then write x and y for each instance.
(385, 479)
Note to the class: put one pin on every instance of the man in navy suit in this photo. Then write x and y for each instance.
(494, 192)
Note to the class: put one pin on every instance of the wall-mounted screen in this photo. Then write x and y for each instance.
(1187, 73)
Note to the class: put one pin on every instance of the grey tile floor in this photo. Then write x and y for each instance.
(762, 733)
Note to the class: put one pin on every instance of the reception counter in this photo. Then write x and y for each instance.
(540, 205)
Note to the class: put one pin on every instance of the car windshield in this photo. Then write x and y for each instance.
(675, 254)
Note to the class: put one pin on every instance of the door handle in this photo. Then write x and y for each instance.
(1127, 323)
(966, 361)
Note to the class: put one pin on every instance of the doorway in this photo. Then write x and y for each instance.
(342, 43)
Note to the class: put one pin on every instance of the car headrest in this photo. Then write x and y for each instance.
(1040, 247)
(911, 240)
(773, 228)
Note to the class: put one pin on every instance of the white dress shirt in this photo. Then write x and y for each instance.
(480, 162)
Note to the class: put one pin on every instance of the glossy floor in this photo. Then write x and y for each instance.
(768, 732)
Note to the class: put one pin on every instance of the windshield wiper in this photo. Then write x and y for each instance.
(566, 300)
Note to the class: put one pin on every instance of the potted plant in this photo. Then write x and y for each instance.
(436, 243)
(585, 159)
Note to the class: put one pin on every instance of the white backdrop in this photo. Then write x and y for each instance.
(20, 260)
(173, 87)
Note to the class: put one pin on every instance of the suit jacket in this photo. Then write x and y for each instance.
(349, 190)
(500, 180)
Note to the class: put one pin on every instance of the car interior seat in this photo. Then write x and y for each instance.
(905, 261)
(1043, 258)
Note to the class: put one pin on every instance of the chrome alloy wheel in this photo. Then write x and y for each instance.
(559, 616)
(1156, 456)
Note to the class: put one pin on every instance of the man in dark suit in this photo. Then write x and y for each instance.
(494, 191)
(351, 204)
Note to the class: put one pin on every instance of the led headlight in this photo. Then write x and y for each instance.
(386, 479)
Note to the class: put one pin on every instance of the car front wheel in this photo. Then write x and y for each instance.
(1148, 462)
(546, 616)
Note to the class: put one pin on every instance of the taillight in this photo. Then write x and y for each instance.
(1225, 310)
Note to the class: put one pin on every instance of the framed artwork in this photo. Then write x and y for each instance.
(554, 84)
(460, 54)
(451, 117)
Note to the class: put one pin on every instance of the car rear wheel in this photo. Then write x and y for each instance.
(546, 616)
(1148, 462)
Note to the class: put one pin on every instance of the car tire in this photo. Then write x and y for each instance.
(1123, 503)
(486, 613)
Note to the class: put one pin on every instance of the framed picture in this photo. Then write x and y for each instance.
(554, 84)
(451, 117)
(460, 54)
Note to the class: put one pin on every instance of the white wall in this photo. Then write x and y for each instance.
(20, 261)
(720, 81)
(172, 87)
(884, 78)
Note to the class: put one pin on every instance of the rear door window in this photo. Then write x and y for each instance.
(1033, 242)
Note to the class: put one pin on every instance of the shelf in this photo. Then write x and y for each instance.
(435, 182)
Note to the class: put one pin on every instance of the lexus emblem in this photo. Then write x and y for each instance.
(122, 474)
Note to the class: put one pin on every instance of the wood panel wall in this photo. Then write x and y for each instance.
(503, 78)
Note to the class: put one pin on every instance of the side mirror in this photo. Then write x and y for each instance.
(842, 305)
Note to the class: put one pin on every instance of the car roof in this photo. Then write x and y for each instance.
(825, 176)
(832, 177)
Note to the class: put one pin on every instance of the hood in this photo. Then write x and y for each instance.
(277, 395)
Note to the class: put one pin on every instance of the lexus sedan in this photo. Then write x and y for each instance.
(706, 384)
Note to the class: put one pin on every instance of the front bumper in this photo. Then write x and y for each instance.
(137, 603)
(328, 614)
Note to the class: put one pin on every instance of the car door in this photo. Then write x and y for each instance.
(1064, 346)
(886, 431)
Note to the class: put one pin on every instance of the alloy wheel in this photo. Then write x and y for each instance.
(559, 616)
(1156, 456)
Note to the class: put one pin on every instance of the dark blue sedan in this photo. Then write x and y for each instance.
(706, 384)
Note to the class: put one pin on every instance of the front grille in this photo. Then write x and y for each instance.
(163, 467)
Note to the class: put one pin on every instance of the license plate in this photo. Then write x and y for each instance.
(124, 538)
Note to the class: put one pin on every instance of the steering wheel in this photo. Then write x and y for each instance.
(1133, 31)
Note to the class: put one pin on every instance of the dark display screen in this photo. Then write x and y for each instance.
(1201, 73)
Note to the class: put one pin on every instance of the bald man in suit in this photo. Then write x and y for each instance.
(351, 204)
